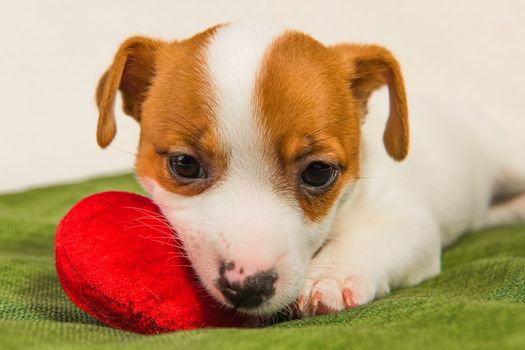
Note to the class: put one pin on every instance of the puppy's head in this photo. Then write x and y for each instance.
(250, 138)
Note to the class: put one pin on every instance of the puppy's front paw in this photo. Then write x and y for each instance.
(326, 293)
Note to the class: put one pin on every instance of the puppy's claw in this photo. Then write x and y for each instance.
(328, 295)
(301, 304)
(348, 298)
(316, 298)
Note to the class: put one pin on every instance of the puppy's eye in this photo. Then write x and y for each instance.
(318, 174)
(184, 165)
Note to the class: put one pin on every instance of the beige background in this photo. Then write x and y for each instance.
(52, 53)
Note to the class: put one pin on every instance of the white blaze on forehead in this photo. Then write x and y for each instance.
(244, 205)
(234, 58)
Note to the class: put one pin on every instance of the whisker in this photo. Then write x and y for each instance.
(324, 127)
(143, 224)
(150, 213)
(323, 139)
(194, 132)
(115, 148)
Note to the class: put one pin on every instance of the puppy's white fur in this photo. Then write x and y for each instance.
(386, 230)
(390, 231)
(242, 219)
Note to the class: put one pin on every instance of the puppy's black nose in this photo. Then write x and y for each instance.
(251, 291)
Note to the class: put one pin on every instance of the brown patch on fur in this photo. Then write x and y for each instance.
(173, 105)
(308, 114)
(311, 101)
(369, 67)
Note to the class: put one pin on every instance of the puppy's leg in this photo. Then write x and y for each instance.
(511, 212)
(510, 185)
(369, 255)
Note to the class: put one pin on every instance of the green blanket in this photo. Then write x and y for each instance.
(478, 302)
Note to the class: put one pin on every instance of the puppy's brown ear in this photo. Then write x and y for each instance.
(370, 67)
(131, 72)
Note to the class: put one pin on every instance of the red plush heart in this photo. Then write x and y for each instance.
(118, 260)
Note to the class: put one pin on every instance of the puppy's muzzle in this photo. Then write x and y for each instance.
(246, 292)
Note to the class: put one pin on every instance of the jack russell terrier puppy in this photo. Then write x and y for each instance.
(257, 145)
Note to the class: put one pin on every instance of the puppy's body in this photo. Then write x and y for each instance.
(252, 145)
(390, 231)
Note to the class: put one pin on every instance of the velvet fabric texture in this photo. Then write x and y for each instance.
(118, 260)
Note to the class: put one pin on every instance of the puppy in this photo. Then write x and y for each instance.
(257, 145)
